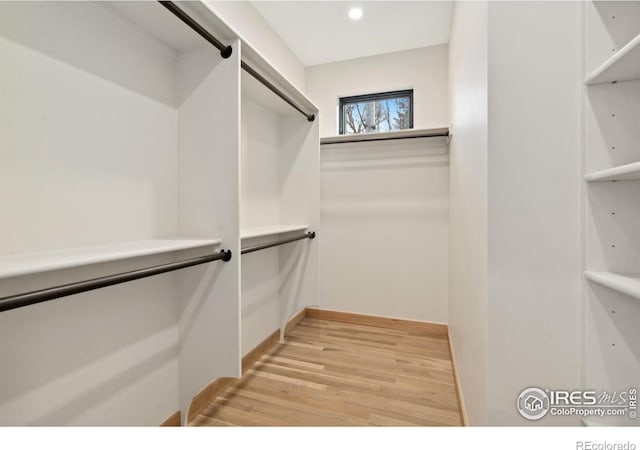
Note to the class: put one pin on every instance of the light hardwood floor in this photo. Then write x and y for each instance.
(339, 374)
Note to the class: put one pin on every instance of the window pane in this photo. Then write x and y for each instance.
(377, 112)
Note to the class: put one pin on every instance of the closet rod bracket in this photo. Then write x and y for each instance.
(226, 52)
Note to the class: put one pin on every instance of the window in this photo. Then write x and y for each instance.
(386, 111)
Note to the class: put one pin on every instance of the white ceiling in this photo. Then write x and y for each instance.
(319, 32)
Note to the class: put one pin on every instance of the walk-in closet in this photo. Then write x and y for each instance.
(322, 214)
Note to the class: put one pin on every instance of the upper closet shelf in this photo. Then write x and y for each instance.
(627, 284)
(628, 172)
(250, 233)
(386, 136)
(30, 263)
(622, 66)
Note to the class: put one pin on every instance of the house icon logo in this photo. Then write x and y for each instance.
(533, 403)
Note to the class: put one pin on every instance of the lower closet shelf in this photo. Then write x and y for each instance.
(628, 284)
(31, 263)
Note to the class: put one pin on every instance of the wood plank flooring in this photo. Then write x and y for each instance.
(339, 374)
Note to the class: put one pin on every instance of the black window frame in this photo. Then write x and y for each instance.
(373, 97)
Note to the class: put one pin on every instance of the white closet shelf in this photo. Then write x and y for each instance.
(255, 232)
(412, 133)
(31, 263)
(628, 172)
(628, 284)
(622, 66)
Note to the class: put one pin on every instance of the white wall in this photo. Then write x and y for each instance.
(423, 69)
(249, 25)
(468, 73)
(260, 206)
(384, 213)
(515, 204)
(260, 159)
(51, 174)
(534, 202)
(387, 197)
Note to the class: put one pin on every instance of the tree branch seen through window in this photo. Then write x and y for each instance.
(387, 111)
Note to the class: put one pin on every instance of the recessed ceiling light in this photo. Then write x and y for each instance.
(355, 13)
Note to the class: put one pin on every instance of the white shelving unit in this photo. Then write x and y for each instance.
(109, 145)
(628, 284)
(612, 212)
(280, 194)
(38, 262)
(106, 146)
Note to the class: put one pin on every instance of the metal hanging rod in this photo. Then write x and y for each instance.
(255, 248)
(43, 295)
(225, 50)
(275, 90)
